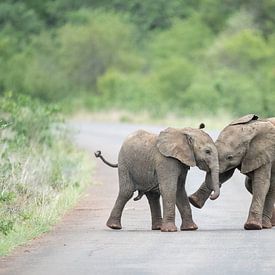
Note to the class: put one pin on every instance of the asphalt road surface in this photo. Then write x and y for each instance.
(82, 244)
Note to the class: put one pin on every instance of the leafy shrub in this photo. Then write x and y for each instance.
(120, 90)
(18, 17)
(184, 39)
(244, 50)
(176, 56)
(173, 79)
(37, 160)
(90, 49)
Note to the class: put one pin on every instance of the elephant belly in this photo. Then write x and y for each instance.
(137, 155)
(144, 181)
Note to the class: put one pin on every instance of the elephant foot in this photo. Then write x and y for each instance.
(253, 225)
(156, 226)
(273, 218)
(266, 223)
(168, 227)
(196, 201)
(114, 224)
(188, 226)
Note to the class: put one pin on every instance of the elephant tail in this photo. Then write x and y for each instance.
(99, 155)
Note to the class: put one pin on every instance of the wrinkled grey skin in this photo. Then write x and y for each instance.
(248, 144)
(157, 165)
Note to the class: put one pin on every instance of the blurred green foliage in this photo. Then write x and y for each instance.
(184, 57)
(38, 163)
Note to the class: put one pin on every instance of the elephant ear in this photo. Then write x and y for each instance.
(261, 149)
(176, 144)
(244, 119)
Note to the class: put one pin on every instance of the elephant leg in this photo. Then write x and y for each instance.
(260, 186)
(126, 191)
(199, 198)
(248, 184)
(168, 190)
(273, 217)
(268, 209)
(184, 206)
(153, 199)
(267, 222)
(268, 212)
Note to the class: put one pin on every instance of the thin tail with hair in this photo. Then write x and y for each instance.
(99, 155)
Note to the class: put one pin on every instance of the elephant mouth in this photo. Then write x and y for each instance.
(203, 166)
(225, 169)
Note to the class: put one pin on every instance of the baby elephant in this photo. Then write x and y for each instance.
(248, 144)
(157, 165)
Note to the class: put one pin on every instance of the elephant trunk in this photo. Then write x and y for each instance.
(213, 183)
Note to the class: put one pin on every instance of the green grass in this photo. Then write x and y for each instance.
(42, 171)
(36, 213)
(42, 220)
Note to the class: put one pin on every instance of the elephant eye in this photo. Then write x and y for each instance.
(207, 151)
(229, 157)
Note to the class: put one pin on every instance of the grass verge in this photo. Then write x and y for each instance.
(42, 174)
(41, 220)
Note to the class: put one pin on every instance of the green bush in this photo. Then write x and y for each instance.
(37, 162)
(89, 50)
(19, 18)
(184, 39)
(121, 90)
(178, 56)
(245, 50)
(173, 79)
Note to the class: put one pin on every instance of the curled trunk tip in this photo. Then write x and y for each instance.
(214, 183)
(215, 195)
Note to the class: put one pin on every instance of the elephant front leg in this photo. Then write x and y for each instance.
(184, 207)
(168, 189)
(260, 186)
(153, 199)
(199, 198)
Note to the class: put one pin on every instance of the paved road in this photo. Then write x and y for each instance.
(82, 244)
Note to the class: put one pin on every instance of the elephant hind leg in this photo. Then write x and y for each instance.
(273, 184)
(273, 217)
(267, 222)
(114, 220)
(268, 212)
(153, 199)
(126, 191)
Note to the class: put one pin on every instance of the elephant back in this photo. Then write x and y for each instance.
(272, 120)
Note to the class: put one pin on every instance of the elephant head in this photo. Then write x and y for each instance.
(246, 143)
(192, 147)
